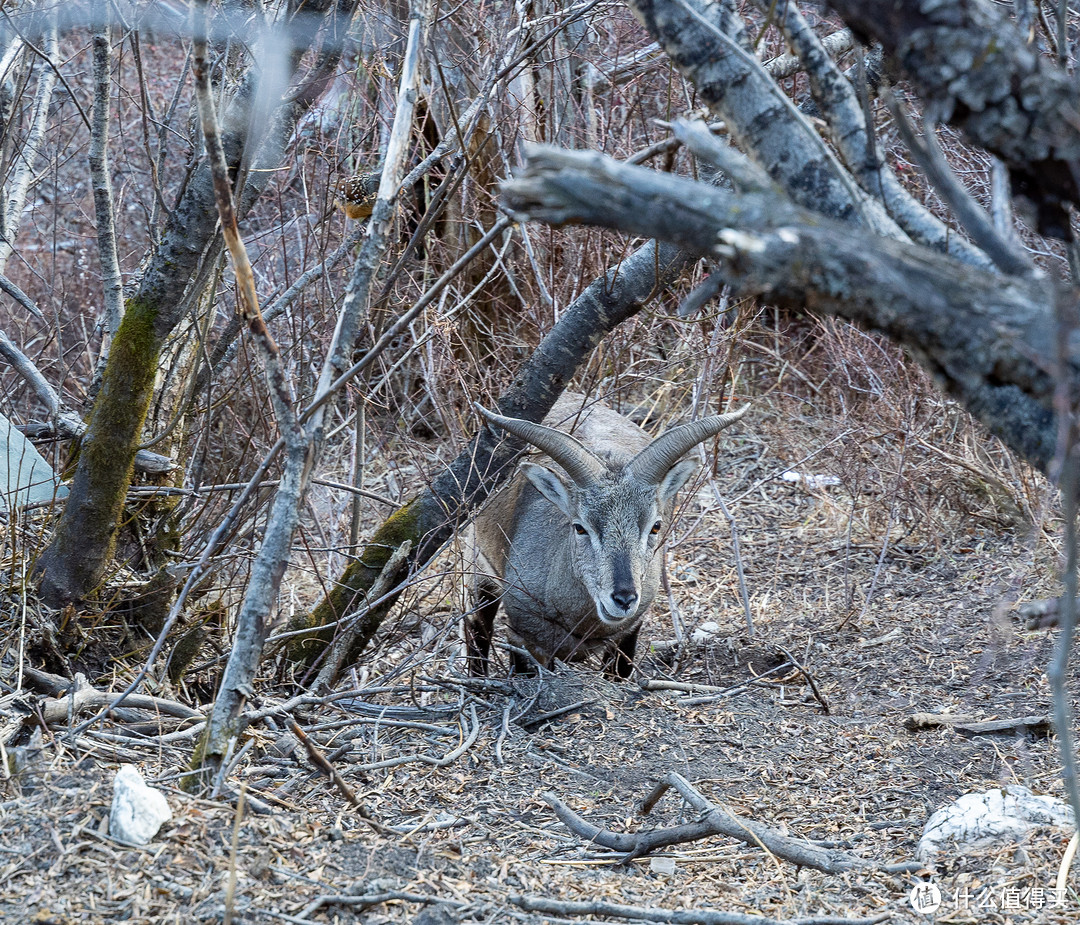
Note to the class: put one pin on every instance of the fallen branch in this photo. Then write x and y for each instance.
(364, 900)
(761, 679)
(1037, 725)
(60, 709)
(714, 820)
(554, 714)
(683, 687)
(677, 916)
(934, 720)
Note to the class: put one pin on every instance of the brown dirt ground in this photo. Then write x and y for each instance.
(938, 635)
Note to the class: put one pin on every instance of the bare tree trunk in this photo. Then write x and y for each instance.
(76, 559)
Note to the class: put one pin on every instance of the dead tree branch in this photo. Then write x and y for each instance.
(345, 639)
(19, 185)
(701, 40)
(973, 68)
(102, 185)
(1005, 253)
(63, 421)
(846, 121)
(676, 916)
(988, 339)
(712, 820)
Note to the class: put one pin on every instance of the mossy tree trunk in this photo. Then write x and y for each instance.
(76, 559)
(431, 518)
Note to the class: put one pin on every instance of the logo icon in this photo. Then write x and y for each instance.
(925, 898)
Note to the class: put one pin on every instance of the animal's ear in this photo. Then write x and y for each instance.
(676, 477)
(550, 485)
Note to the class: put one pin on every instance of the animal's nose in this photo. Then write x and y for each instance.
(624, 598)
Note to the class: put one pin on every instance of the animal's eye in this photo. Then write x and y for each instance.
(580, 530)
(655, 528)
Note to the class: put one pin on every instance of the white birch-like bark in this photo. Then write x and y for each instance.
(27, 155)
(112, 284)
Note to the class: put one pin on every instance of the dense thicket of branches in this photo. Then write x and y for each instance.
(199, 460)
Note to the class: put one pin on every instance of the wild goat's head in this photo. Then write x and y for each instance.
(616, 509)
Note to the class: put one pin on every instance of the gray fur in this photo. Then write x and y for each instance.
(567, 594)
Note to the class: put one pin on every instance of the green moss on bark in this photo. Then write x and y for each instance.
(406, 523)
(197, 778)
(75, 561)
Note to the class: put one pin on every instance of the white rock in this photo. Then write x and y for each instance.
(810, 481)
(663, 866)
(705, 633)
(976, 820)
(138, 811)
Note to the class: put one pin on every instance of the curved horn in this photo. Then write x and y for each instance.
(581, 465)
(653, 462)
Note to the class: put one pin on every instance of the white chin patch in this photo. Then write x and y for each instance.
(612, 619)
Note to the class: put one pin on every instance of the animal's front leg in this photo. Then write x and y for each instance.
(480, 626)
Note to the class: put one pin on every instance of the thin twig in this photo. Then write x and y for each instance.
(321, 762)
(744, 594)
(364, 900)
(809, 680)
(554, 714)
(971, 216)
(21, 297)
(504, 731)
(885, 542)
(761, 679)
(1066, 862)
(404, 320)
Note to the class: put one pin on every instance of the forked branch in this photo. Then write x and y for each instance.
(712, 820)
